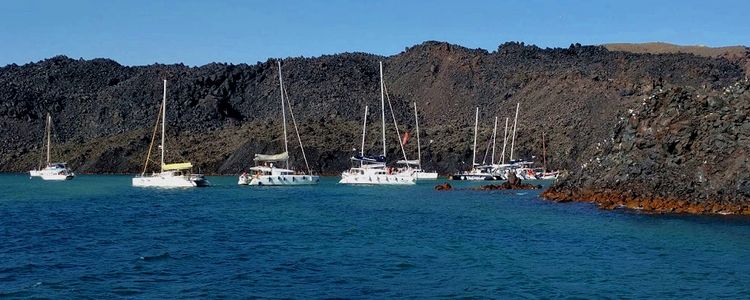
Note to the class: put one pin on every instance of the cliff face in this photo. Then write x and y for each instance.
(680, 150)
(220, 115)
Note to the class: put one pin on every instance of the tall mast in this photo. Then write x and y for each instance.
(505, 139)
(476, 121)
(544, 153)
(283, 114)
(364, 131)
(494, 133)
(382, 105)
(163, 123)
(419, 147)
(49, 129)
(513, 140)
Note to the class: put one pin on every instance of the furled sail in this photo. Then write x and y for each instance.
(372, 159)
(272, 157)
(177, 166)
(413, 162)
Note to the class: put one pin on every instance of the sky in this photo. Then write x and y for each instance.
(199, 32)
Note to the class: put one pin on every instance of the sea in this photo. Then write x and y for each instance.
(98, 237)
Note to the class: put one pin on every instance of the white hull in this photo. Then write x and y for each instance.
(35, 173)
(169, 181)
(378, 179)
(279, 180)
(427, 175)
(58, 177)
(472, 177)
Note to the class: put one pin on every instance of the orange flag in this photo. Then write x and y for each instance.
(405, 138)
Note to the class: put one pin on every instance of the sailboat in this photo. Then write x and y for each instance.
(173, 174)
(372, 170)
(416, 165)
(522, 169)
(544, 174)
(477, 171)
(267, 173)
(53, 170)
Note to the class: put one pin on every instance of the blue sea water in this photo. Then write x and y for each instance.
(98, 237)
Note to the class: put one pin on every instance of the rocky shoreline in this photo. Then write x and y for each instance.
(683, 150)
(610, 200)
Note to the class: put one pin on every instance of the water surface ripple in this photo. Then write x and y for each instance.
(98, 237)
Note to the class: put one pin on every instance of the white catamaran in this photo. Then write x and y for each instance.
(170, 175)
(372, 170)
(53, 170)
(416, 165)
(268, 173)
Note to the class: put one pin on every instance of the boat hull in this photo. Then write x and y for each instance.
(426, 175)
(169, 181)
(57, 177)
(474, 177)
(280, 180)
(378, 180)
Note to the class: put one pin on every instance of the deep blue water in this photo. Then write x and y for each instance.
(98, 237)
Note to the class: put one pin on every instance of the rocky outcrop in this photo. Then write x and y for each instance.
(443, 187)
(222, 114)
(682, 150)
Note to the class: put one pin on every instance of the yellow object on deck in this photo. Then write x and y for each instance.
(177, 166)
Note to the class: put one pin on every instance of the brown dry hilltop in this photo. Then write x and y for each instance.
(581, 97)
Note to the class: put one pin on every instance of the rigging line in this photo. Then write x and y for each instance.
(486, 150)
(153, 137)
(398, 133)
(294, 121)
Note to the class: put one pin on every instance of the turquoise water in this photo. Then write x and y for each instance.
(98, 237)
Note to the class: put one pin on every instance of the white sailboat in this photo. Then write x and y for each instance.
(267, 173)
(477, 171)
(372, 170)
(544, 174)
(53, 170)
(170, 175)
(522, 169)
(416, 165)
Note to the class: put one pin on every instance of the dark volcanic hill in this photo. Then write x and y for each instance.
(681, 150)
(221, 114)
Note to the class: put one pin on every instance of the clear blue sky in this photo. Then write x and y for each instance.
(199, 32)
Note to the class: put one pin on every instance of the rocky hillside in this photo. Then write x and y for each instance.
(737, 54)
(680, 150)
(221, 114)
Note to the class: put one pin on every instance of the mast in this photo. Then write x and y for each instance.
(419, 147)
(476, 121)
(382, 105)
(163, 123)
(283, 114)
(49, 129)
(544, 153)
(505, 139)
(364, 131)
(494, 133)
(513, 140)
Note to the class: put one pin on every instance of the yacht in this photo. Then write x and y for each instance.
(170, 175)
(372, 170)
(477, 171)
(265, 172)
(53, 170)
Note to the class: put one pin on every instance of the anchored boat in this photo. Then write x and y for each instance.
(53, 170)
(372, 170)
(170, 175)
(478, 171)
(266, 171)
